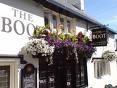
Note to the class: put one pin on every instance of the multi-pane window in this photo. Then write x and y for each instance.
(57, 23)
(4, 76)
(46, 79)
(46, 75)
(101, 68)
(68, 78)
(72, 75)
(43, 79)
(81, 73)
(61, 26)
(51, 79)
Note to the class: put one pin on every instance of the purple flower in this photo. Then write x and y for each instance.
(82, 48)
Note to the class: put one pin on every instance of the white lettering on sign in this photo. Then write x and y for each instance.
(29, 82)
(100, 36)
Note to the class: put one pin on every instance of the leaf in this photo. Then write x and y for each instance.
(86, 40)
(61, 36)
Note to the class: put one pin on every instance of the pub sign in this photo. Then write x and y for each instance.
(99, 37)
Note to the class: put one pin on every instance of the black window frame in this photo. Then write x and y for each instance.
(81, 67)
(52, 71)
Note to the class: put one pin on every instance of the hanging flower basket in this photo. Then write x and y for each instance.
(39, 47)
(67, 46)
(108, 55)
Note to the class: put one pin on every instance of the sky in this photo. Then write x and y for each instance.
(104, 11)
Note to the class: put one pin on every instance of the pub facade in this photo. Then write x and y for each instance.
(18, 69)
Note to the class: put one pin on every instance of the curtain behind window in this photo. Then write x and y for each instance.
(101, 68)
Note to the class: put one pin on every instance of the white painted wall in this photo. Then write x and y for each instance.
(106, 79)
(11, 43)
(81, 26)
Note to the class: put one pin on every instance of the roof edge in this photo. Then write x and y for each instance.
(54, 5)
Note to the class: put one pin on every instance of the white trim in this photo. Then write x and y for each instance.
(13, 70)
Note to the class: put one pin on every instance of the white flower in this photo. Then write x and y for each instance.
(36, 46)
(107, 55)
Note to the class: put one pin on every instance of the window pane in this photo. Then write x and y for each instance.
(101, 68)
(43, 79)
(62, 21)
(82, 72)
(51, 79)
(68, 26)
(54, 21)
(46, 18)
(81, 76)
(4, 76)
(69, 77)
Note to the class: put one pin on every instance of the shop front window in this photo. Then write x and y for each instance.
(66, 75)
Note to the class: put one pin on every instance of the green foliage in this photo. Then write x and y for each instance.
(86, 40)
(61, 36)
(68, 36)
(39, 31)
